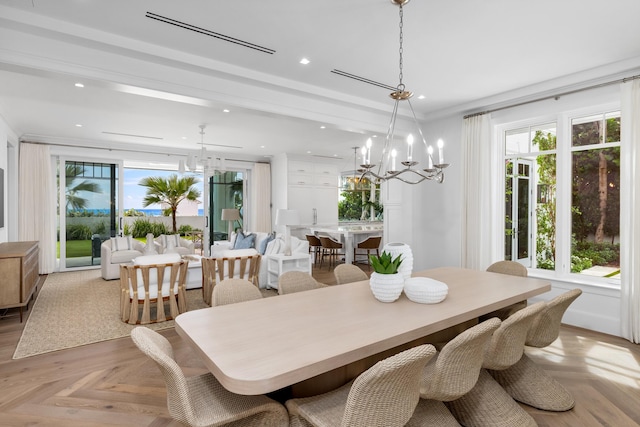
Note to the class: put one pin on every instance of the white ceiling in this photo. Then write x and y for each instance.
(154, 83)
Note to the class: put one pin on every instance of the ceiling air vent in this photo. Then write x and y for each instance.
(326, 157)
(209, 33)
(362, 79)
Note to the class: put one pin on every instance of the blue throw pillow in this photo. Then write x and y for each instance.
(245, 241)
(265, 243)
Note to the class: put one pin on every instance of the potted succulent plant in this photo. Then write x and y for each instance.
(386, 282)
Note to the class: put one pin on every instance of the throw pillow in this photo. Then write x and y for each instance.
(245, 241)
(124, 243)
(170, 239)
(263, 245)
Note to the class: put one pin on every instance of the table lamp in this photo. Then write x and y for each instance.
(287, 217)
(230, 215)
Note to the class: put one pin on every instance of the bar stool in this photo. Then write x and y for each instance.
(330, 248)
(315, 247)
(370, 244)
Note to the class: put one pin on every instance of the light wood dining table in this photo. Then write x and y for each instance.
(264, 345)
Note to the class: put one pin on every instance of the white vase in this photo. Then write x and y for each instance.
(386, 287)
(397, 248)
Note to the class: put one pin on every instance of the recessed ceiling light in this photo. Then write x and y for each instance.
(308, 152)
(375, 136)
(225, 111)
(262, 146)
(304, 61)
(79, 85)
(421, 97)
(78, 125)
(322, 127)
(184, 137)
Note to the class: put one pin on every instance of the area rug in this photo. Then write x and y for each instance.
(79, 308)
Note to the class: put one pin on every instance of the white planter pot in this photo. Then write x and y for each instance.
(397, 248)
(386, 287)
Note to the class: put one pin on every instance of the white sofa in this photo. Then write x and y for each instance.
(116, 251)
(275, 246)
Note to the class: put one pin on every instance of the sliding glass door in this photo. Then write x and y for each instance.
(226, 191)
(89, 210)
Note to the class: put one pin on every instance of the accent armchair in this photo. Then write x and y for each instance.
(116, 251)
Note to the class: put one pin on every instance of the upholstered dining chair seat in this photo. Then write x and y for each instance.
(330, 248)
(201, 401)
(370, 244)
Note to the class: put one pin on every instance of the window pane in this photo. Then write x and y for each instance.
(613, 128)
(517, 141)
(596, 211)
(546, 209)
(543, 137)
(587, 132)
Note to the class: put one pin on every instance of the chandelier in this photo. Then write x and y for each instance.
(203, 158)
(389, 167)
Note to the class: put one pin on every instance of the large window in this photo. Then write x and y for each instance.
(564, 222)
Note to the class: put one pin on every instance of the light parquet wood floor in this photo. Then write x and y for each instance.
(112, 384)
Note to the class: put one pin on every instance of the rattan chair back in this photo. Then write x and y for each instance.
(297, 281)
(347, 273)
(455, 370)
(512, 268)
(546, 326)
(201, 400)
(231, 291)
(507, 343)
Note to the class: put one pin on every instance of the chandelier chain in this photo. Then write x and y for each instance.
(400, 50)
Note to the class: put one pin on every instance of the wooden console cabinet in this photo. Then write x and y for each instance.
(18, 273)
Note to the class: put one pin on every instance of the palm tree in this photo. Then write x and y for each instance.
(170, 191)
(74, 201)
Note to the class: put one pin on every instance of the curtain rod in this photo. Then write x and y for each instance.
(571, 92)
(57, 144)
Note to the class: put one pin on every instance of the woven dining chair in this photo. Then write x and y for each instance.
(511, 268)
(487, 404)
(297, 281)
(525, 381)
(201, 400)
(231, 291)
(455, 369)
(385, 395)
(347, 273)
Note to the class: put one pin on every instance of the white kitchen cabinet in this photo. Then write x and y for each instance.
(311, 189)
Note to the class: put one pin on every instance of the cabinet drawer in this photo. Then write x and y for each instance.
(298, 167)
(10, 271)
(321, 169)
(300, 179)
(326, 181)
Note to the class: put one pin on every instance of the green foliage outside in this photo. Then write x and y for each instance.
(133, 212)
(141, 227)
(384, 264)
(170, 191)
(355, 206)
(595, 199)
(73, 188)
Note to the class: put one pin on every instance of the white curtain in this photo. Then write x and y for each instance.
(480, 217)
(37, 202)
(260, 219)
(630, 211)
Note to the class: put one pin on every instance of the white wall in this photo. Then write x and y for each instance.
(9, 163)
(437, 210)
